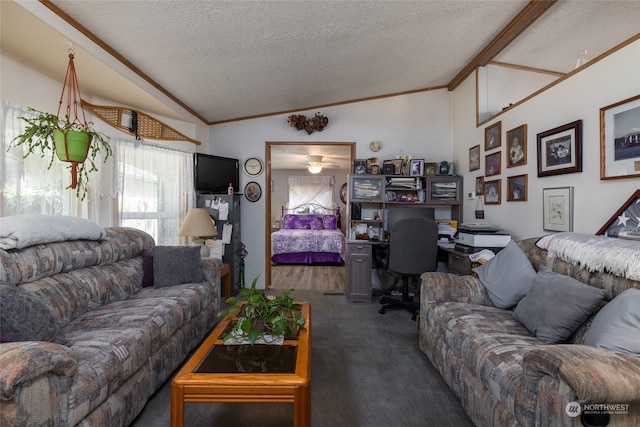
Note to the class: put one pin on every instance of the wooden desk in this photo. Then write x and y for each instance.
(458, 262)
(225, 276)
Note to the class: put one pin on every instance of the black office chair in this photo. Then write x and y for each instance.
(413, 250)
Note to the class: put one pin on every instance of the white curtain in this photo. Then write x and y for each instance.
(154, 188)
(311, 189)
(143, 186)
(30, 186)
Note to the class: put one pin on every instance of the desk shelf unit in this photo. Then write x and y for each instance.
(367, 198)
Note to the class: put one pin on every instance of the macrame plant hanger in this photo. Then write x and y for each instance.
(71, 95)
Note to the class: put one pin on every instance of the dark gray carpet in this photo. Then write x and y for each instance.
(366, 370)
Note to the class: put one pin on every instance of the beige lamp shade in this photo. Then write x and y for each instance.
(198, 223)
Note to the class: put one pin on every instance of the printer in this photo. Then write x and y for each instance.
(472, 238)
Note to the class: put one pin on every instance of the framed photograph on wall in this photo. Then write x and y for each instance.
(625, 223)
(252, 191)
(474, 158)
(416, 167)
(492, 136)
(517, 146)
(479, 186)
(492, 164)
(492, 192)
(517, 188)
(620, 139)
(557, 207)
(560, 150)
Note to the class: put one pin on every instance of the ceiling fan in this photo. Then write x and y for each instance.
(315, 164)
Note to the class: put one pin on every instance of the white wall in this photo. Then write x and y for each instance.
(579, 97)
(499, 86)
(416, 124)
(27, 87)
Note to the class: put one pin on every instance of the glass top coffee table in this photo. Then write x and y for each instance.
(244, 373)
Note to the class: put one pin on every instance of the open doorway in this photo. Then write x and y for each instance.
(294, 158)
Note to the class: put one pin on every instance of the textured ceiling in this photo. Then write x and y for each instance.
(225, 60)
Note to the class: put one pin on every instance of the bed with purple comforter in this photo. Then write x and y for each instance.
(308, 239)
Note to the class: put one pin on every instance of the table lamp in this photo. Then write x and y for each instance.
(198, 224)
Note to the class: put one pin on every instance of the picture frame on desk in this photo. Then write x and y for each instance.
(396, 164)
(430, 169)
(360, 166)
(416, 167)
(388, 168)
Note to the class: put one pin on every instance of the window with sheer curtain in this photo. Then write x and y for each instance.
(143, 186)
(311, 189)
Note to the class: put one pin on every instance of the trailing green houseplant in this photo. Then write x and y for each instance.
(261, 318)
(46, 134)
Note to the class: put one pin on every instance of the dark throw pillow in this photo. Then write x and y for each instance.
(173, 265)
(147, 268)
(507, 276)
(617, 326)
(556, 306)
(26, 318)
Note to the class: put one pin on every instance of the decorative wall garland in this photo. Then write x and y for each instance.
(317, 122)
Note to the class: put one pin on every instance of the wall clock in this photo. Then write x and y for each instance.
(252, 191)
(253, 166)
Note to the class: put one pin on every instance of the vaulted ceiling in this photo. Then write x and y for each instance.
(229, 60)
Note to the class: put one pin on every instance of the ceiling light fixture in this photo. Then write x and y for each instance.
(315, 167)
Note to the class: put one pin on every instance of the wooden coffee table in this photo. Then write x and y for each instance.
(205, 378)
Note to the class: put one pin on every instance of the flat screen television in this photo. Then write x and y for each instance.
(214, 173)
(396, 213)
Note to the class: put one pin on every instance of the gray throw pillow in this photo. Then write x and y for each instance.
(173, 265)
(617, 326)
(507, 276)
(24, 317)
(556, 306)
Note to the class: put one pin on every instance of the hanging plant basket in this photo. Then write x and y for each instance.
(71, 145)
(67, 134)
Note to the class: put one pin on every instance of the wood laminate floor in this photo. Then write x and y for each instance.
(316, 277)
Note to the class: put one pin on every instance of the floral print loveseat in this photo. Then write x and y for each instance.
(106, 343)
(504, 375)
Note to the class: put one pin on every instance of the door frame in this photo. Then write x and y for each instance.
(268, 188)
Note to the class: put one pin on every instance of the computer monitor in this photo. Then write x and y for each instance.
(396, 213)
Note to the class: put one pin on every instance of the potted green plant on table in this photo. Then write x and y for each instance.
(71, 141)
(258, 318)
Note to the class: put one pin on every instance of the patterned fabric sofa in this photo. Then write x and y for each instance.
(118, 341)
(504, 375)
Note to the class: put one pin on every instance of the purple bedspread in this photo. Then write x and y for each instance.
(307, 246)
(307, 258)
